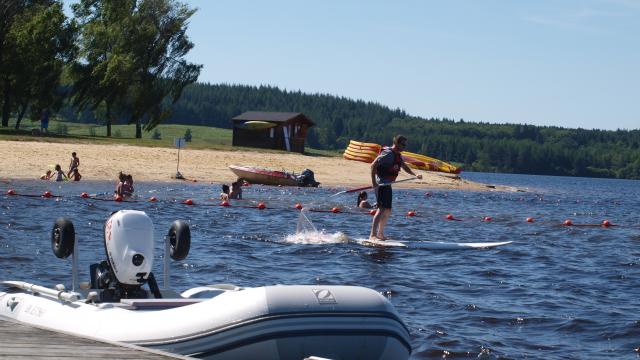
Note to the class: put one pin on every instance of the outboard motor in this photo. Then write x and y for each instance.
(306, 178)
(128, 241)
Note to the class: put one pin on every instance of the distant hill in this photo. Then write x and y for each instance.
(512, 148)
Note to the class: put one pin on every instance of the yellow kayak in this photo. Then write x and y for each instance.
(431, 164)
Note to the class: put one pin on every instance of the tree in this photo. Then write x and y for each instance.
(44, 37)
(158, 42)
(9, 9)
(101, 75)
(36, 40)
(132, 58)
(187, 135)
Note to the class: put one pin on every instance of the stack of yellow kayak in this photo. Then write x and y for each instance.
(422, 162)
(361, 151)
(367, 152)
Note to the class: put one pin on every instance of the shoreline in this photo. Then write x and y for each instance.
(31, 159)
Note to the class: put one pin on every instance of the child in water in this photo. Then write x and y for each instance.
(73, 165)
(75, 175)
(362, 200)
(236, 190)
(224, 195)
(125, 185)
(46, 176)
(58, 174)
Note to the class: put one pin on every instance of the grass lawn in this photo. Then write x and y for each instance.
(202, 137)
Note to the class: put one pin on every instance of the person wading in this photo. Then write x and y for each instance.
(384, 171)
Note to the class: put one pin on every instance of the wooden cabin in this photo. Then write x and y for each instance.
(271, 130)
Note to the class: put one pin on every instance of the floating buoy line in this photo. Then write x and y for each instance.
(261, 205)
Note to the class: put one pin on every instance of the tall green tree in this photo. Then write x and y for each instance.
(44, 38)
(9, 10)
(36, 40)
(132, 59)
(158, 42)
(101, 75)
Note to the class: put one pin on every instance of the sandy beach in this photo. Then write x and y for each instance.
(29, 160)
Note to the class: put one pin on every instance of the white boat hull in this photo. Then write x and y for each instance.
(277, 322)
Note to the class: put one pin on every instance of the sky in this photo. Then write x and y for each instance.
(562, 63)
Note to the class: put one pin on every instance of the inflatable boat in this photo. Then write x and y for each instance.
(256, 175)
(123, 302)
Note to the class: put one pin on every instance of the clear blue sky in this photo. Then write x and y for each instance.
(568, 63)
(545, 62)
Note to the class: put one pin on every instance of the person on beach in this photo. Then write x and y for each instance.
(73, 165)
(236, 190)
(362, 200)
(224, 195)
(47, 175)
(58, 174)
(384, 171)
(44, 122)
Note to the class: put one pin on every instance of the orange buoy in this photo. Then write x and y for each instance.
(225, 203)
(298, 206)
(372, 212)
(529, 219)
(487, 218)
(261, 206)
(335, 210)
(118, 198)
(84, 195)
(606, 223)
(567, 222)
(188, 202)
(153, 199)
(450, 217)
(11, 192)
(47, 194)
(411, 213)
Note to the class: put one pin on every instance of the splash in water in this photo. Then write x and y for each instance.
(317, 237)
(306, 233)
(304, 223)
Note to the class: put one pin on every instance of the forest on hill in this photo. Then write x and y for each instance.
(513, 148)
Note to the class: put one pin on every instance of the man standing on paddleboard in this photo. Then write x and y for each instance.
(384, 171)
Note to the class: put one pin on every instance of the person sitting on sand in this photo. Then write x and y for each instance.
(58, 174)
(236, 190)
(73, 165)
(224, 195)
(362, 200)
(46, 176)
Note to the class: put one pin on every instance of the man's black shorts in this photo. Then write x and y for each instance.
(384, 194)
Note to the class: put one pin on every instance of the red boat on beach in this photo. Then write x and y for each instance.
(256, 175)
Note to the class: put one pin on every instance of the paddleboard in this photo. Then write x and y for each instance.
(439, 245)
(381, 243)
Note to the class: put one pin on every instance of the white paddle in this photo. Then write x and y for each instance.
(371, 186)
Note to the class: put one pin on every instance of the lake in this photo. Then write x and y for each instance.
(556, 292)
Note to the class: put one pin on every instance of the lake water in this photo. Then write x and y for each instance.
(556, 292)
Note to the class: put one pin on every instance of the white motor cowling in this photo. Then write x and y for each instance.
(128, 239)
